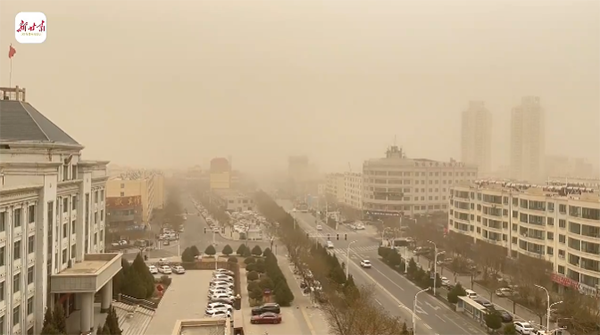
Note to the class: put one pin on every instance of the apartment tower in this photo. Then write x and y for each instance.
(476, 137)
(527, 141)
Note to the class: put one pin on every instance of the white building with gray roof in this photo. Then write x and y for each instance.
(52, 222)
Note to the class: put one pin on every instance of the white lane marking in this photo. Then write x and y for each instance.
(441, 318)
(433, 307)
(379, 302)
(428, 326)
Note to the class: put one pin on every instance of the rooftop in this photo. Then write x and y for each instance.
(21, 122)
(395, 156)
(93, 264)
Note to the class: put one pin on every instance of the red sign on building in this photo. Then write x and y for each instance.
(123, 202)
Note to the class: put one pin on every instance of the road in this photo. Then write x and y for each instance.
(392, 291)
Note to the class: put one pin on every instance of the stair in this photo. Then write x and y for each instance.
(133, 320)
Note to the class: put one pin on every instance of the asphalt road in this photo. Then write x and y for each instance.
(392, 291)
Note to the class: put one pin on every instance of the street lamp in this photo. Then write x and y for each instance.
(347, 258)
(414, 311)
(434, 265)
(549, 305)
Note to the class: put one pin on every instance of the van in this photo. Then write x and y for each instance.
(471, 294)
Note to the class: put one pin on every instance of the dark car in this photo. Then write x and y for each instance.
(267, 317)
(506, 317)
(266, 308)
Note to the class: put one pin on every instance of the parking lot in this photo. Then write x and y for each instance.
(184, 299)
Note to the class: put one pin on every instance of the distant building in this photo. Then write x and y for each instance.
(397, 185)
(528, 141)
(298, 169)
(335, 187)
(476, 137)
(353, 190)
(559, 223)
(564, 166)
(232, 200)
(220, 174)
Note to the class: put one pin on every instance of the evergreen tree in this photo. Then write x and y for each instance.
(267, 252)
(48, 318)
(50, 330)
(106, 330)
(195, 251)
(240, 249)
(100, 330)
(404, 329)
(60, 319)
(210, 250)
(119, 278)
(134, 287)
(112, 321)
(146, 278)
(227, 250)
(257, 251)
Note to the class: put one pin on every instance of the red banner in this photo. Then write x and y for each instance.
(116, 202)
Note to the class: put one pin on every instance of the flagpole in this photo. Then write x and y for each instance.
(10, 74)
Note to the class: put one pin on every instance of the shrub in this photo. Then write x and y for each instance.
(267, 252)
(251, 267)
(493, 320)
(252, 286)
(210, 250)
(256, 293)
(249, 260)
(260, 267)
(227, 250)
(194, 250)
(252, 275)
(266, 284)
(232, 259)
(257, 251)
(166, 280)
(187, 256)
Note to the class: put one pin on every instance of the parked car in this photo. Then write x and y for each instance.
(223, 277)
(219, 305)
(218, 291)
(506, 317)
(524, 328)
(165, 269)
(504, 292)
(269, 307)
(218, 313)
(223, 271)
(153, 269)
(445, 282)
(216, 283)
(178, 269)
(365, 263)
(267, 317)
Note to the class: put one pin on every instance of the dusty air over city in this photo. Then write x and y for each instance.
(300, 167)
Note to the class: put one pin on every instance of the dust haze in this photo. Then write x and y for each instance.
(176, 83)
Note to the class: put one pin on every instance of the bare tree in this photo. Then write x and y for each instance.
(579, 313)
(359, 315)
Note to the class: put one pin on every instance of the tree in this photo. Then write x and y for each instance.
(260, 267)
(48, 318)
(112, 321)
(187, 256)
(256, 293)
(251, 267)
(493, 320)
(509, 329)
(50, 330)
(252, 275)
(119, 278)
(146, 279)
(195, 251)
(227, 250)
(134, 287)
(412, 268)
(266, 283)
(350, 289)
(210, 250)
(60, 319)
(232, 259)
(404, 329)
(241, 249)
(257, 251)
(249, 260)
(267, 252)
(283, 294)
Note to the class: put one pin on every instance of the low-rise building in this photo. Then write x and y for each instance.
(557, 223)
(335, 187)
(52, 222)
(232, 200)
(353, 190)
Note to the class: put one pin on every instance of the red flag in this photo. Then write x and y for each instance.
(11, 51)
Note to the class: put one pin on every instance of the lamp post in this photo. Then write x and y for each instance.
(549, 305)
(347, 258)
(414, 311)
(434, 265)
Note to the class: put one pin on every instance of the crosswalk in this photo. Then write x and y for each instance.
(356, 253)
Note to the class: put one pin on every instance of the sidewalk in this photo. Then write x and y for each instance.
(519, 311)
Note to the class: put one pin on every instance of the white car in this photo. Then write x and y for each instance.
(220, 291)
(178, 269)
(218, 313)
(165, 269)
(221, 296)
(524, 328)
(365, 263)
(445, 281)
(319, 227)
(153, 269)
(330, 245)
(223, 277)
(223, 271)
(219, 305)
(220, 283)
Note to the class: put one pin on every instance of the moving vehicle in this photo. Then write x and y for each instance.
(524, 328)
(504, 292)
(506, 317)
(365, 263)
(319, 227)
(267, 317)
(471, 294)
(330, 245)
(268, 307)
(165, 269)
(178, 269)
(445, 282)
(153, 269)
(359, 226)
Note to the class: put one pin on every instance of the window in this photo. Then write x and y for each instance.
(17, 283)
(95, 217)
(65, 204)
(74, 203)
(96, 195)
(16, 315)
(561, 238)
(73, 227)
(31, 214)
(550, 251)
(122, 194)
(561, 269)
(102, 236)
(95, 238)
(550, 221)
(562, 223)
(550, 235)
(101, 195)
(101, 215)
(1, 293)
(30, 275)
(30, 306)
(64, 230)
(2, 221)
(31, 244)
(73, 247)
(2, 256)
(122, 185)
(2, 323)
(64, 256)
(17, 250)
(65, 172)
(17, 217)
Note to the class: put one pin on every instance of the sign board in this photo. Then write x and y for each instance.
(382, 213)
(123, 202)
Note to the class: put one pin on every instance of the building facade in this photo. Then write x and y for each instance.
(220, 174)
(476, 137)
(335, 189)
(232, 201)
(52, 221)
(397, 185)
(353, 186)
(528, 141)
(560, 224)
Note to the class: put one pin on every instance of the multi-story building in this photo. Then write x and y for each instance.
(397, 185)
(476, 137)
(528, 142)
(335, 187)
(560, 224)
(232, 201)
(51, 222)
(353, 184)
(564, 166)
(220, 174)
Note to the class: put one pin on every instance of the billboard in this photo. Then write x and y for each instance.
(123, 202)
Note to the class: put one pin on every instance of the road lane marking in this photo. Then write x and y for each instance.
(428, 326)
(379, 302)
(441, 318)
(433, 307)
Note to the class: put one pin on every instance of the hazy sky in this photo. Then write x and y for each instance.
(168, 83)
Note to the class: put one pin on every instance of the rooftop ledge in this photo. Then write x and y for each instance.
(89, 275)
(202, 326)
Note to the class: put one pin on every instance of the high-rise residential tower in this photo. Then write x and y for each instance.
(528, 141)
(476, 137)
